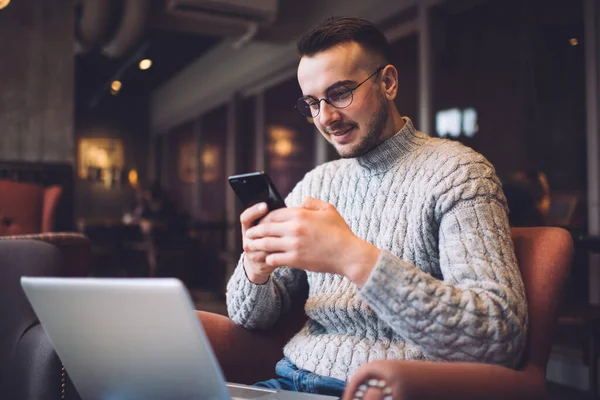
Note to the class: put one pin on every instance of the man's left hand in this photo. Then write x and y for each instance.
(313, 237)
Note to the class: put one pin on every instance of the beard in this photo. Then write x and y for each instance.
(374, 134)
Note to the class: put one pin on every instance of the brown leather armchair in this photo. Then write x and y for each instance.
(544, 256)
(27, 208)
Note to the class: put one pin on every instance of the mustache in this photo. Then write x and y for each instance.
(340, 126)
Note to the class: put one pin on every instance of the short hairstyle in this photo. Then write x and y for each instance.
(339, 30)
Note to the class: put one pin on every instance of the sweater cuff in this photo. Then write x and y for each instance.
(248, 302)
(241, 281)
(246, 273)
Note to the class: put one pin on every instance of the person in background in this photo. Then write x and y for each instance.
(404, 242)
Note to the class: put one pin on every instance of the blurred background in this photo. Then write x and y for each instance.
(138, 110)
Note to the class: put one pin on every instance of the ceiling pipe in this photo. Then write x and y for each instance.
(132, 27)
(93, 23)
(246, 37)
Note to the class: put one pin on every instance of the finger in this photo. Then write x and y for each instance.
(257, 257)
(359, 378)
(351, 388)
(357, 384)
(311, 203)
(281, 259)
(251, 214)
(268, 244)
(282, 215)
(268, 229)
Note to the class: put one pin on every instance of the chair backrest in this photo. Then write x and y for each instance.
(75, 250)
(27, 208)
(544, 255)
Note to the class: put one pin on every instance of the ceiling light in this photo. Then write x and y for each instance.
(115, 86)
(145, 63)
(4, 3)
(574, 42)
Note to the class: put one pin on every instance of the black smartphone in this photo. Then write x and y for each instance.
(256, 187)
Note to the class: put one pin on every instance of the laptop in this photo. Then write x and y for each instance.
(134, 339)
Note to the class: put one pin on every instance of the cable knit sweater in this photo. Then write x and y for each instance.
(446, 285)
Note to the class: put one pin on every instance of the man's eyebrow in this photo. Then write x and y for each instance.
(339, 83)
(334, 86)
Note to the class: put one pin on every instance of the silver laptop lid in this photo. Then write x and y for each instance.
(127, 338)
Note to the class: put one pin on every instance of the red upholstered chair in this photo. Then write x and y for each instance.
(544, 257)
(27, 208)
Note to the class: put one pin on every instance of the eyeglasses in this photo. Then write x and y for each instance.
(338, 97)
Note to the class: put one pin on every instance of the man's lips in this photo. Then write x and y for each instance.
(341, 132)
(342, 136)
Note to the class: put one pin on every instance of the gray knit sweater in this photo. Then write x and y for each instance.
(446, 286)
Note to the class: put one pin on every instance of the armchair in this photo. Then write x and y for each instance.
(27, 208)
(29, 367)
(544, 256)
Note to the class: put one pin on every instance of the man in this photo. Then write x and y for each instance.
(405, 241)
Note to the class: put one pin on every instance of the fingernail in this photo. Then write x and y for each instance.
(262, 207)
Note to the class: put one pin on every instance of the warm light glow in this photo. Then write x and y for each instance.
(145, 63)
(574, 42)
(98, 157)
(99, 154)
(4, 3)
(210, 163)
(209, 157)
(133, 178)
(115, 87)
(281, 141)
(283, 147)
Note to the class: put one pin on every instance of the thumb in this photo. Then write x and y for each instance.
(311, 203)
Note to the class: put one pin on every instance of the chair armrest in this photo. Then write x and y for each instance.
(245, 356)
(36, 370)
(249, 356)
(452, 381)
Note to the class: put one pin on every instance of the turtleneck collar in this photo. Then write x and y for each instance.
(388, 153)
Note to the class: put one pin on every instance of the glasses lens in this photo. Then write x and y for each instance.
(340, 97)
(307, 107)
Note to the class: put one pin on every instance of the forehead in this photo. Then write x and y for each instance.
(339, 63)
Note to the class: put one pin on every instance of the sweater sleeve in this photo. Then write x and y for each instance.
(478, 312)
(260, 306)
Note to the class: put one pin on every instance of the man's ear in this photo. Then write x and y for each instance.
(389, 79)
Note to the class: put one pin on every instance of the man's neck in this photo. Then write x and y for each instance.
(394, 125)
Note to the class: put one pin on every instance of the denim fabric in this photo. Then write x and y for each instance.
(289, 377)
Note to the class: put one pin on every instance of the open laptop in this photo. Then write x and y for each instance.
(134, 339)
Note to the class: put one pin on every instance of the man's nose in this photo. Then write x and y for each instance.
(328, 114)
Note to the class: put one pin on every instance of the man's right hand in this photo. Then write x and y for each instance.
(256, 268)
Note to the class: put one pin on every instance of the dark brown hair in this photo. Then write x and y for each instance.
(338, 30)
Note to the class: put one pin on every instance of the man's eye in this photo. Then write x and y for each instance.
(313, 104)
(339, 94)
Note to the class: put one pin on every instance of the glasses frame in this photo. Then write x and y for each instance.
(329, 101)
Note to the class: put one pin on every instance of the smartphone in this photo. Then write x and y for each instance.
(256, 187)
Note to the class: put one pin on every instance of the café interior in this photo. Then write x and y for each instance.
(120, 122)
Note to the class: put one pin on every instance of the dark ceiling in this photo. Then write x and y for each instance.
(170, 41)
(169, 52)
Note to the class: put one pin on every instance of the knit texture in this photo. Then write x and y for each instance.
(446, 286)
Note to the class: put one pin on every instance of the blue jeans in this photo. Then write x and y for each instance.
(289, 377)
